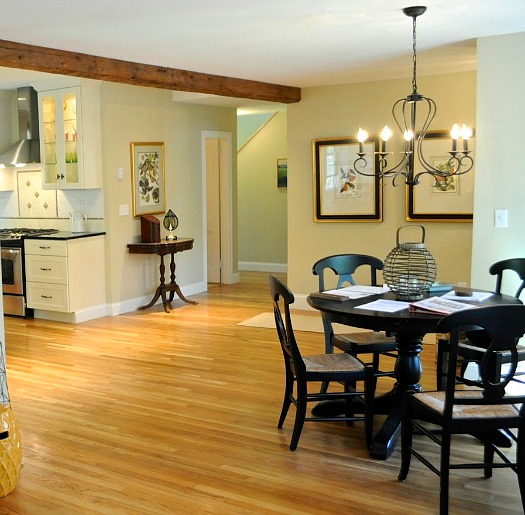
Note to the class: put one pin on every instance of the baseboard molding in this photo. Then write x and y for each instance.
(119, 308)
(76, 317)
(252, 266)
(115, 309)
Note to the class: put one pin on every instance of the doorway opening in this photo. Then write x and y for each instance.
(217, 235)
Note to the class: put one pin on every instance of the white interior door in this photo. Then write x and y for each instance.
(213, 209)
(220, 187)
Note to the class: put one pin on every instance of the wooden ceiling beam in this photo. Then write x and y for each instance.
(62, 62)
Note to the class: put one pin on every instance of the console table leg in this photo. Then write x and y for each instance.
(153, 300)
(174, 287)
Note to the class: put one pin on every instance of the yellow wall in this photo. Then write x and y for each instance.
(136, 114)
(262, 205)
(500, 177)
(338, 111)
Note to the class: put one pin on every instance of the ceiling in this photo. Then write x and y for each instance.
(290, 42)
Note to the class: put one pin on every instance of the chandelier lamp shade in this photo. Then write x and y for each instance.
(407, 112)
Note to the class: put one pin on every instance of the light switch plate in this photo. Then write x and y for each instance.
(500, 218)
(123, 210)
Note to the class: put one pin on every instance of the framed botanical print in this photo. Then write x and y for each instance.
(341, 194)
(446, 199)
(148, 178)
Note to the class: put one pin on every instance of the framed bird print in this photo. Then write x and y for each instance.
(340, 193)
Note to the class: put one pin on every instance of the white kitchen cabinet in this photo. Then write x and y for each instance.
(65, 275)
(69, 120)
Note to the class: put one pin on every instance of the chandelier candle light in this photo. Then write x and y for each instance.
(404, 112)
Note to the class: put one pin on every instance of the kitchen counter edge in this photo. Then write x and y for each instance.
(65, 235)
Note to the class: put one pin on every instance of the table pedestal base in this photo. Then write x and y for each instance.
(389, 404)
(166, 301)
(163, 288)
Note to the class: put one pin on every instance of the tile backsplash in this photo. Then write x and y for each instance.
(29, 205)
(33, 201)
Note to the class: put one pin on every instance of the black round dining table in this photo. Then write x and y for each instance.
(409, 328)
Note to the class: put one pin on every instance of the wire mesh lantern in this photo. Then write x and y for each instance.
(410, 269)
(10, 444)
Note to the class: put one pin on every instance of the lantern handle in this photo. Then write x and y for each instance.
(403, 226)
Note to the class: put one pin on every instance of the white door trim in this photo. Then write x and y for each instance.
(227, 276)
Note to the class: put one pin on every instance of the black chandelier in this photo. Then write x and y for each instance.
(404, 113)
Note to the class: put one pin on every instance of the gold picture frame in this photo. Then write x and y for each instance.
(148, 178)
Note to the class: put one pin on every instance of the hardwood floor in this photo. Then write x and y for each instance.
(156, 413)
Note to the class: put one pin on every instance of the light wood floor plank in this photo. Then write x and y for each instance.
(156, 413)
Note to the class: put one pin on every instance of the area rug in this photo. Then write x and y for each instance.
(301, 322)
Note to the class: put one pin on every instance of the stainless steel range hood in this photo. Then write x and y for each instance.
(27, 148)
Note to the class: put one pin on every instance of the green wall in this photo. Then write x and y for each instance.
(262, 206)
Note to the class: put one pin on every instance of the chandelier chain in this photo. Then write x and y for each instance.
(414, 56)
(405, 111)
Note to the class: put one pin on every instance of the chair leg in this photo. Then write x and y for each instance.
(328, 347)
(406, 444)
(488, 456)
(375, 365)
(444, 473)
(369, 405)
(300, 415)
(441, 364)
(288, 392)
(349, 410)
(520, 463)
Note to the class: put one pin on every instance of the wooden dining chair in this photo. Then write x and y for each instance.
(467, 406)
(303, 370)
(473, 343)
(376, 344)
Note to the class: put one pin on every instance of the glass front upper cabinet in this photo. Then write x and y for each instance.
(62, 147)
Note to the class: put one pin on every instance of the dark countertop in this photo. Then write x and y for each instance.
(65, 235)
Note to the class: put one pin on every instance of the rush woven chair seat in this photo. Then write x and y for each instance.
(466, 406)
(472, 344)
(375, 343)
(304, 370)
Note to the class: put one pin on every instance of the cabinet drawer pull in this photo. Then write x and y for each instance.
(47, 296)
(44, 248)
(46, 269)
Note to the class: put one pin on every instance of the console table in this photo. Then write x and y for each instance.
(161, 249)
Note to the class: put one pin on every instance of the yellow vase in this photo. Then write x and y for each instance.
(10, 451)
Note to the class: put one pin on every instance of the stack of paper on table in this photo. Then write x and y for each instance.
(350, 292)
(439, 305)
(477, 296)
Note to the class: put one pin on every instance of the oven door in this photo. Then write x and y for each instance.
(12, 271)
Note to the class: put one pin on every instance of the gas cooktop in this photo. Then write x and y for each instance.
(20, 232)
